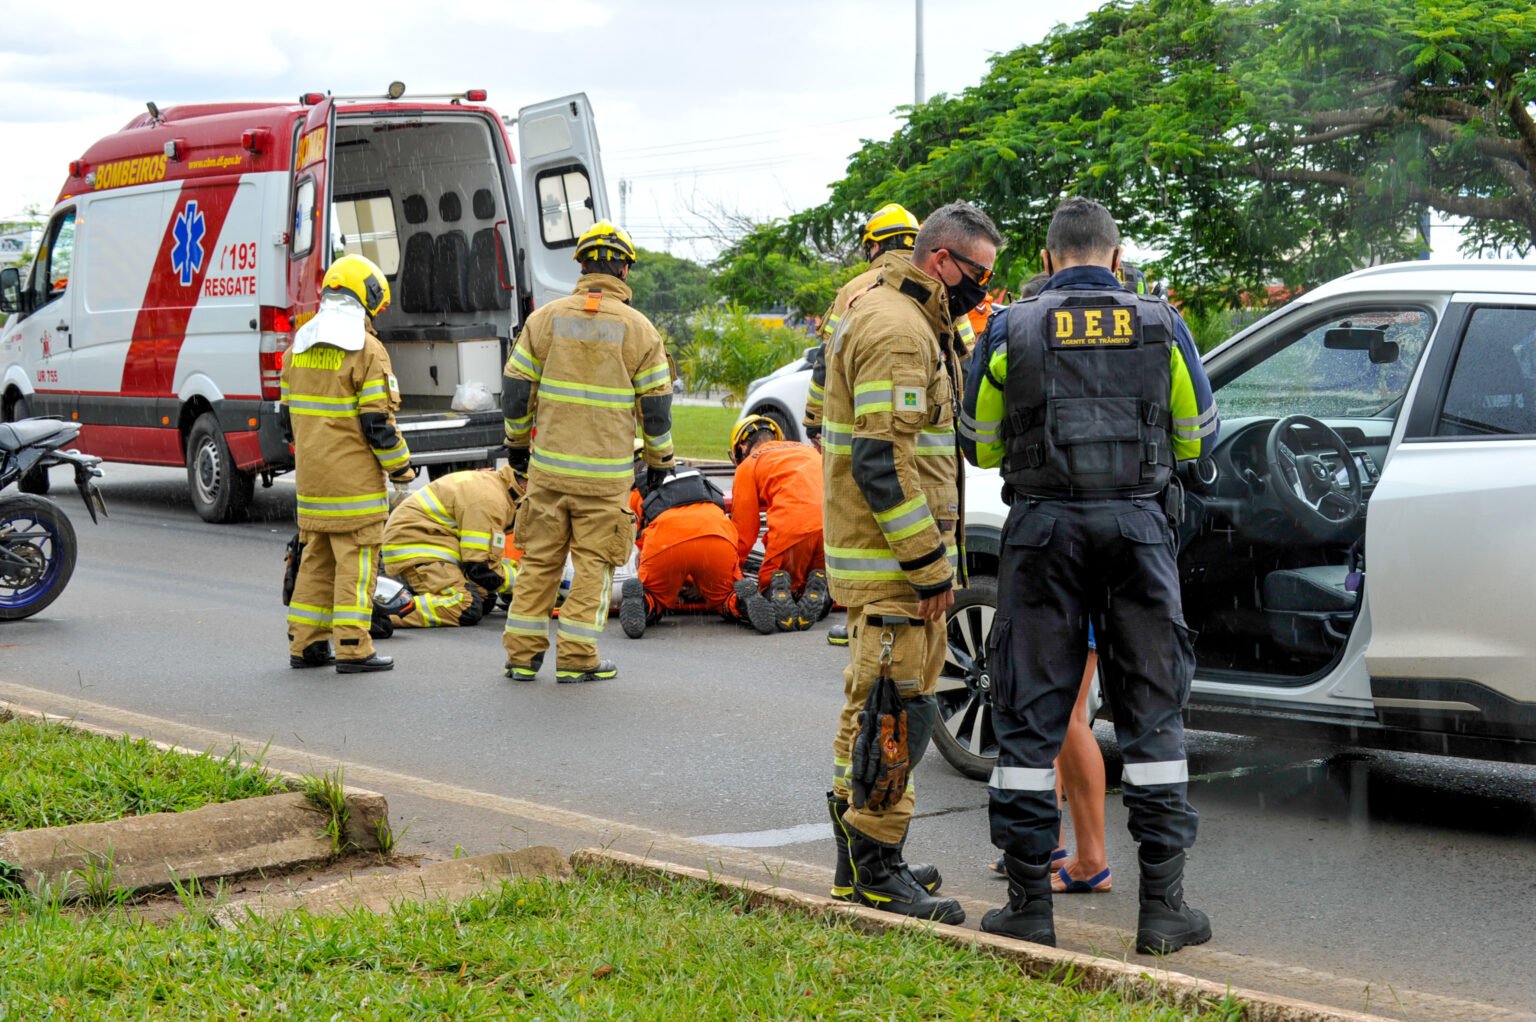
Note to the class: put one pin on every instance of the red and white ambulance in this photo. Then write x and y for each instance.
(186, 248)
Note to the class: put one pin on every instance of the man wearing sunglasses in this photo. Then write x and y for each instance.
(1087, 403)
(891, 518)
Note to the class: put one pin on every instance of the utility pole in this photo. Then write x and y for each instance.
(917, 75)
(624, 203)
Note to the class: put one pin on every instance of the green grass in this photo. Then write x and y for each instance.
(600, 947)
(52, 775)
(703, 432)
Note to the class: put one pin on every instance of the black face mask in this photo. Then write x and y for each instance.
(964, 295)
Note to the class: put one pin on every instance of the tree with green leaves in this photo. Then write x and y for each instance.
(670, 291)
(1247, 141)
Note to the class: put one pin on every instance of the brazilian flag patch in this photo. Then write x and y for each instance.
(909, 399)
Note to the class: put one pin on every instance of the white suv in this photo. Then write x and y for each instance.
(1406, 391)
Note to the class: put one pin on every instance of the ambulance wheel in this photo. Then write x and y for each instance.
(36, 480)
(964, 736)
(220, 492)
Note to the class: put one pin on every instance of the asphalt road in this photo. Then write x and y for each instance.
(1396, 884)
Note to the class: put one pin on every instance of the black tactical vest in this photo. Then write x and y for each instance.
(1087, 395)
(680, 489)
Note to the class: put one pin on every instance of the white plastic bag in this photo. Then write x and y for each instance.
(473, 396)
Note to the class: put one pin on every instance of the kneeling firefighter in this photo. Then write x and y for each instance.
(339, 397)
(447, 542)
(687, 552)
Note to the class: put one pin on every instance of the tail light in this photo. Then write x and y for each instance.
(276, 336)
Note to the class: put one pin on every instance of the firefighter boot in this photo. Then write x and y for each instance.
(752, 604)
(1027, 916)
(316, 654)
(604, 670)
(837, 635)
(926, 876)
(377, 662)
(1165, 923)
(878, 881)
(517, 672)
(781, 597)
(634, 608)
(815, 601)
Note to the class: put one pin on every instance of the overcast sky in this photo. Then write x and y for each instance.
(749, 108)
(745, 108)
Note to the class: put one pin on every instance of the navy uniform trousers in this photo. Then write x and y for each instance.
(1066, 563)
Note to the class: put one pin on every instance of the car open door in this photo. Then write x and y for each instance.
(563, 188)
(1449, 549)
(310, 206)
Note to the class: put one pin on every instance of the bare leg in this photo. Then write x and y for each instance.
(1080, 777)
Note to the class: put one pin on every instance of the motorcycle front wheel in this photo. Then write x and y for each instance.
(37, 555)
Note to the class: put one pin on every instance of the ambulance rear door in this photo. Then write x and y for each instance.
(563, 189)
(310, 204)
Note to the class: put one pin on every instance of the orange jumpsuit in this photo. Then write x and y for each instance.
(694, 543)
(782, 478)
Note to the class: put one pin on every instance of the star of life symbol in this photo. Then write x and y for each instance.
(187, 253)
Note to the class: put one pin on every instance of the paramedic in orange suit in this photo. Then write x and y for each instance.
(782, 479)
(687, 553)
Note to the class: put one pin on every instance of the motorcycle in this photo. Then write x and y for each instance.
(37, 540)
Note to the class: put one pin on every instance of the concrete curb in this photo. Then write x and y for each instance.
(142, 853)
(450, 880)
(158, 850)
(1094, 973)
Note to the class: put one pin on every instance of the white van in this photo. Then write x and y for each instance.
(185, 249)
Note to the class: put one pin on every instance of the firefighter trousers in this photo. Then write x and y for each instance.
(333, 594)
(443, 594)
(1066, 563)
(598, 532)
(917, 657)
(708, 561)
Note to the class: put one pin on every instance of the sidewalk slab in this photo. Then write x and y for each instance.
(452, 880)
(274, 832)
(1094, 973)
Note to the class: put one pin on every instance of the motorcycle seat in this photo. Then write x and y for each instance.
(33, 432)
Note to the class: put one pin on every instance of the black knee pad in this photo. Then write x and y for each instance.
(471, 614)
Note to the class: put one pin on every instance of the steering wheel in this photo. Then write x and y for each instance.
(1305, 483)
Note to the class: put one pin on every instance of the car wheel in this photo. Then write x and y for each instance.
(220, 492)
(965, 737)
(781, 420)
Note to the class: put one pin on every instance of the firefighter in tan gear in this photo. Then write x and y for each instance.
(447, 542)
(339, 397)
(892, 509)
(584, 369)
(887, 241)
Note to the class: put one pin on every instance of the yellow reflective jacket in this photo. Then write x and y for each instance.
(891, 477)
(461, 518)
(584, 371)
(816, 396)
(340, 406)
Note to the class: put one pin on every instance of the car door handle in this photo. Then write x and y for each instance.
(63, 326)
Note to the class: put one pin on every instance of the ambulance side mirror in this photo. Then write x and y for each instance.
(10, 290)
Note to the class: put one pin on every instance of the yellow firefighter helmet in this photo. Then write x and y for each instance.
(604, 241)
(747, 426)
(891, 223)
(360, 278)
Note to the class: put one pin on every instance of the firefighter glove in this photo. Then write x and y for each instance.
(654, 477)
(293, 554)
(517, 457)
(881, 760)
(402, 476)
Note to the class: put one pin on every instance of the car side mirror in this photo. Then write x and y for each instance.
(10, 290)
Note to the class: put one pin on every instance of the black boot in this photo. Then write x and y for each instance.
(377, 662)
(878, 882)
(925, 876)
(316, 654)
(1027, 916)
(1165, 923)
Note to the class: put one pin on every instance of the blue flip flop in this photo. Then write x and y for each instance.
(1098, 884)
